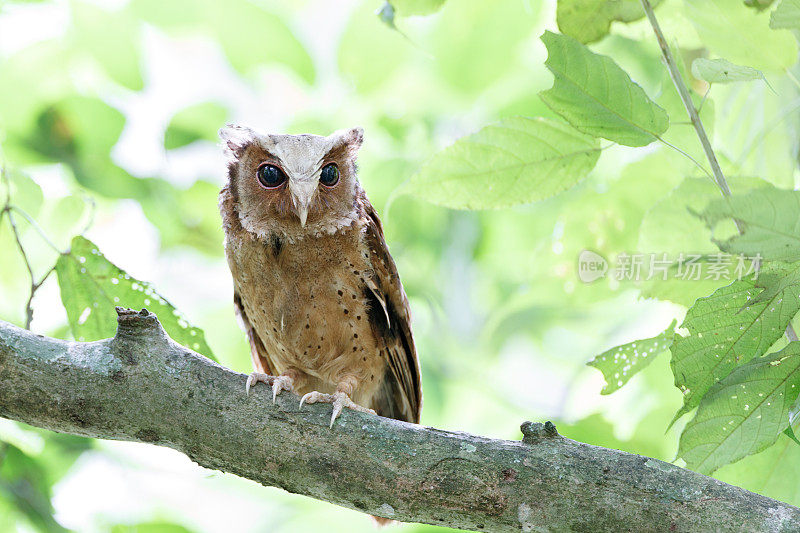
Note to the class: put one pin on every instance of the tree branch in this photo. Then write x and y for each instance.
(686, 98)
(142, 386)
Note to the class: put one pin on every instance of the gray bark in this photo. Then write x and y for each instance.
(142, 386)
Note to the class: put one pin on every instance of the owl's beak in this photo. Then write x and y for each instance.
(302, 193)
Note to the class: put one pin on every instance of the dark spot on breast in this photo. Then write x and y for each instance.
(307, 326)
(358, 317)
(355, 335)
(355, 348)
(354, 297)
(372, 378)
(277, 245)
(355, 272)
(339, 292)
(365, 359)
(346, 311)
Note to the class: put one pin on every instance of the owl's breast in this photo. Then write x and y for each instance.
(307, 303)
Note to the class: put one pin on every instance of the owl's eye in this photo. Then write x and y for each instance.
(329, 175)
(270, 176)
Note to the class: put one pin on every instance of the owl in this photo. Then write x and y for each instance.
(315, 287)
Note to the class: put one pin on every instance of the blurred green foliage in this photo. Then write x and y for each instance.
(108, 121)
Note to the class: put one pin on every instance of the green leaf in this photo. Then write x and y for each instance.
(731, 30)
(151, 527)
(194, 123)
(758, 5)
(252, 36)
(597, 97)
(111, 38)
(621, 363)
(773, 473)
(25, 193)
(723, 71)
(786, 16)
(744, 413)
(406, 8)
(249, 34)
(477, 44)
(185, 217)
(91, 286)
(23, 482)
(666, 227)
(370, 53)
(789, 432)
(726, 330)
(590, 20)
(515, 161)
(771, 219)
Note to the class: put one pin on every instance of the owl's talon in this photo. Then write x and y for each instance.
(278, 383)
(281, 383)
(254, 378)
(340, 400)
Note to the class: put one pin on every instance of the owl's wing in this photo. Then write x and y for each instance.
(257, 349)
(400, 396)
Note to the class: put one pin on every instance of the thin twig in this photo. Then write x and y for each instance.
(703, 101)
(686, 98)
(692, 159)
(15, 231)
(7, 183)
(37, 227)
(92, 213)
(7, 209)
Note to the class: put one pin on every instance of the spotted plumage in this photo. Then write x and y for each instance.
(314, 284)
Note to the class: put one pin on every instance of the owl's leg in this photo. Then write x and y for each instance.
(340, 399)
(280, 383)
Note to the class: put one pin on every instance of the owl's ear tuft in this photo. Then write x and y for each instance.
(351, 139)
(355, 136)
(236, 138)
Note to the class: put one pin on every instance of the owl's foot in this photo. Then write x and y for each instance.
(278, 383)
(340, 400)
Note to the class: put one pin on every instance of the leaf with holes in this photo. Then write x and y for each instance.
(597, 97)
(91, 286)
(515, 161)
(771, 220)
(729, 328)
(744, 413)
(621, 363)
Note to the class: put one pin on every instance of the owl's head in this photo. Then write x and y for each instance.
(292, 184)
